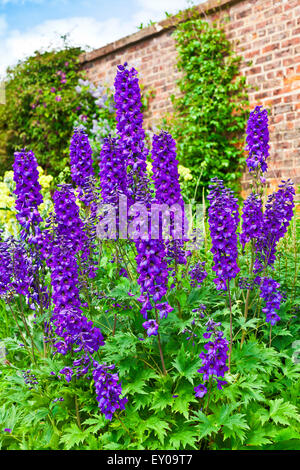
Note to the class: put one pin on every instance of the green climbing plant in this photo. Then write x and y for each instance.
(211, 110)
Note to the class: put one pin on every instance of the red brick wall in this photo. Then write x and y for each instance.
(266, 33)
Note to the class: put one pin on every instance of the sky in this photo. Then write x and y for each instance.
(30, 25)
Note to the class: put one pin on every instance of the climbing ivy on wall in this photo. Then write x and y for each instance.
(212, 108)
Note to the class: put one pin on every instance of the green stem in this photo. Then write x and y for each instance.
(230, 308)
(160, 348)
(248, 295)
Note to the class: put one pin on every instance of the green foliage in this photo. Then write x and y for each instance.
(211, 111)
(257, 409)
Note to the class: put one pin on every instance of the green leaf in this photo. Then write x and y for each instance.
(73, 436)
(282, 412)
(184, 365)
(184, 436)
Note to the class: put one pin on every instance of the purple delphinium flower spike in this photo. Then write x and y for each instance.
(257, 140)
(71, 229)
(108, 389)
(214, 359)
(168, 191)
(152, 268)
(80, 157)
(6, 267)
(269, 292)
(28, 194)
(223, 219)
(112, 171)
(252, 219)
(151, 264)
(131, 133)
(276, 219)
(197, 274)
(82, 171)
(69, 226)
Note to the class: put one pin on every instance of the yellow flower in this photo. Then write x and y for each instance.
(185, 173)
(44, 180)
(8, 219)
(149, 167)
(7, 208)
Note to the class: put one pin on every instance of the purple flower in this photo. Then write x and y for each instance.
(81, 162)
(214, 359)
(151, 326)
(7, 430)
(75, 333)
(130, 130)
(167, 191)
(276, 219)
(58, 98)
(164, 309)
(70, 229)
(197, 274)
(112, 171)
(223, 219)
(252, 217)
(153, 273)
(28, 193)
(200, 391)
(30, 379)
(108, 389)
(257, 140)
(6, 267)
(25, 275)
(269, 292)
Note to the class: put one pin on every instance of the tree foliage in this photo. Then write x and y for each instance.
(43, 105)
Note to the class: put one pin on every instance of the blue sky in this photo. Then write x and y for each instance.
(28, 25)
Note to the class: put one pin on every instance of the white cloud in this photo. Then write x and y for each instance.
(170, 6)
(82, 31)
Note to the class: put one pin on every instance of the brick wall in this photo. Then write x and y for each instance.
(266, 33)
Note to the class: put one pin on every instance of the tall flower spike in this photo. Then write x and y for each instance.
(75, 333)
(6, 267)
(64, 277)
(80, 157)
(167, 189)
(81, 161)
(112, 171)
(28, 193)
(108, 390)
(153, 274)
(214, 359)
(197, 274)
(269, 292)
(25, 273)
(257, 140)
(252, 217)
(276, 219)
(70, 229)
(223, 219)
(130, 130)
